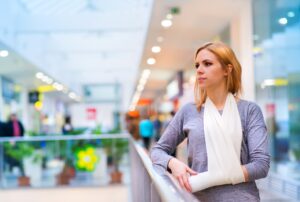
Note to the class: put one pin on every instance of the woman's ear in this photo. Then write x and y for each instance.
(228, 69)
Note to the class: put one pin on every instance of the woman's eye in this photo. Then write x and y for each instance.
(196, 65)
(207, 64)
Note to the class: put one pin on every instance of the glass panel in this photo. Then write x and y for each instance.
(277, 78)
(59, 161)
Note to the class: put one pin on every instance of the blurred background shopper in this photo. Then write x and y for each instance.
(146, 131)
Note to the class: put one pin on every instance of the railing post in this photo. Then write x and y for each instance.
(140, 180)
(154, 194)
(134, 173)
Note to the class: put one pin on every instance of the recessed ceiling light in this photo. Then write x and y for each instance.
(4, 53)
(291, 14)
(140, 87)
(39, 75)
(160, 39)
(169, 16)
(283, 21)
(151, 61)
(166, 23)
(156, 49)
(72, 95)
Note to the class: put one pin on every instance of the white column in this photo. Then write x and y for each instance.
(241, 32)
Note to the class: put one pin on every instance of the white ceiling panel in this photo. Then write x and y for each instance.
(81, 41)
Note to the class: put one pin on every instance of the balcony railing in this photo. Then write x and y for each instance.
(73, 160)
(85, 160)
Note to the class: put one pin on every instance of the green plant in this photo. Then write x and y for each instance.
(121, 147)
(115, 147)
(77, 131)
(18, 151)
(97, 130)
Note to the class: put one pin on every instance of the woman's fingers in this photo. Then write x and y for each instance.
(186, 183)
(179, 178)
(192, 172)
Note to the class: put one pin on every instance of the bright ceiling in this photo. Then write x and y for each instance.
(79, 41)
(106, 41)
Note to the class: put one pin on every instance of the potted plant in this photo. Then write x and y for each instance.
(16, 152)
(66, 156)
(116, 148)
(67, 173)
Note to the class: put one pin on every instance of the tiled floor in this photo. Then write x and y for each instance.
(117, 193)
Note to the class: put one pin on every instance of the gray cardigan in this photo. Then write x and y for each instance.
(188, 122)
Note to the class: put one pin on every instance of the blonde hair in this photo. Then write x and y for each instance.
(225, 56)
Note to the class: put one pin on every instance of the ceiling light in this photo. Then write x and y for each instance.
(4, 53)
(146, 73)
(143, 81)
(49, 80)
(58, 86)
(45, 78)
(156, 49)
(72, 95)
(169, 16)
(151, 61)
(39, 75)
(140, 87)
(166, 23)
(160, 39)
(283, 21)
(291, 14)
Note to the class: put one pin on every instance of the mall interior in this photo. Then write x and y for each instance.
(78, 76)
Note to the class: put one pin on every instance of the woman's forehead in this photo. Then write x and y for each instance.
(204, 55)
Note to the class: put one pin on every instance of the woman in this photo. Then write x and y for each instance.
(227, 136)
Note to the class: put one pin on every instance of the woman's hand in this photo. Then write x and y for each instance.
(246, 174)
(181, 172)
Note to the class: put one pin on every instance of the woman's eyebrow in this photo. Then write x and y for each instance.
(206, 60)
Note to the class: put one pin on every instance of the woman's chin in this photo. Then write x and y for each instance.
(202, 86)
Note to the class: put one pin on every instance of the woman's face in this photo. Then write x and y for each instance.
(210, 73)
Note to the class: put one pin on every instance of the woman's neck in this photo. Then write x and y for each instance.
(218, 97)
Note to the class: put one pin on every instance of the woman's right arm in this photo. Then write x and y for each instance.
(161, 152)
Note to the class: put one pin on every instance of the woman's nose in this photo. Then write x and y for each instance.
(200, 70)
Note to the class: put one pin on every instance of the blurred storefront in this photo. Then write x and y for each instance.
(276, 25)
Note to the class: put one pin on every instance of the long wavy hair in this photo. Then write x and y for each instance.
(226, 57)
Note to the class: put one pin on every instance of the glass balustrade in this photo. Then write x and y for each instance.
(74, 160)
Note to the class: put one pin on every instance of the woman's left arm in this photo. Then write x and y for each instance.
(257, 142)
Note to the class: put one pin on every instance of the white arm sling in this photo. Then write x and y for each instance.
(223, 137)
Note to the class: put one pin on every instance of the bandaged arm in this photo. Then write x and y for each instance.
(259, 158)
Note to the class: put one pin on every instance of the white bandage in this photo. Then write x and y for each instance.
(223, 137)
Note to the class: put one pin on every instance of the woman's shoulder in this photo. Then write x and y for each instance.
(248, 107)
(188, 107)
(247, 104)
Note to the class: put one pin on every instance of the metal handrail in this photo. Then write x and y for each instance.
(164, 185)
(64, 137)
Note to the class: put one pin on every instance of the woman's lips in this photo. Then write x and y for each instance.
(201, 79)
